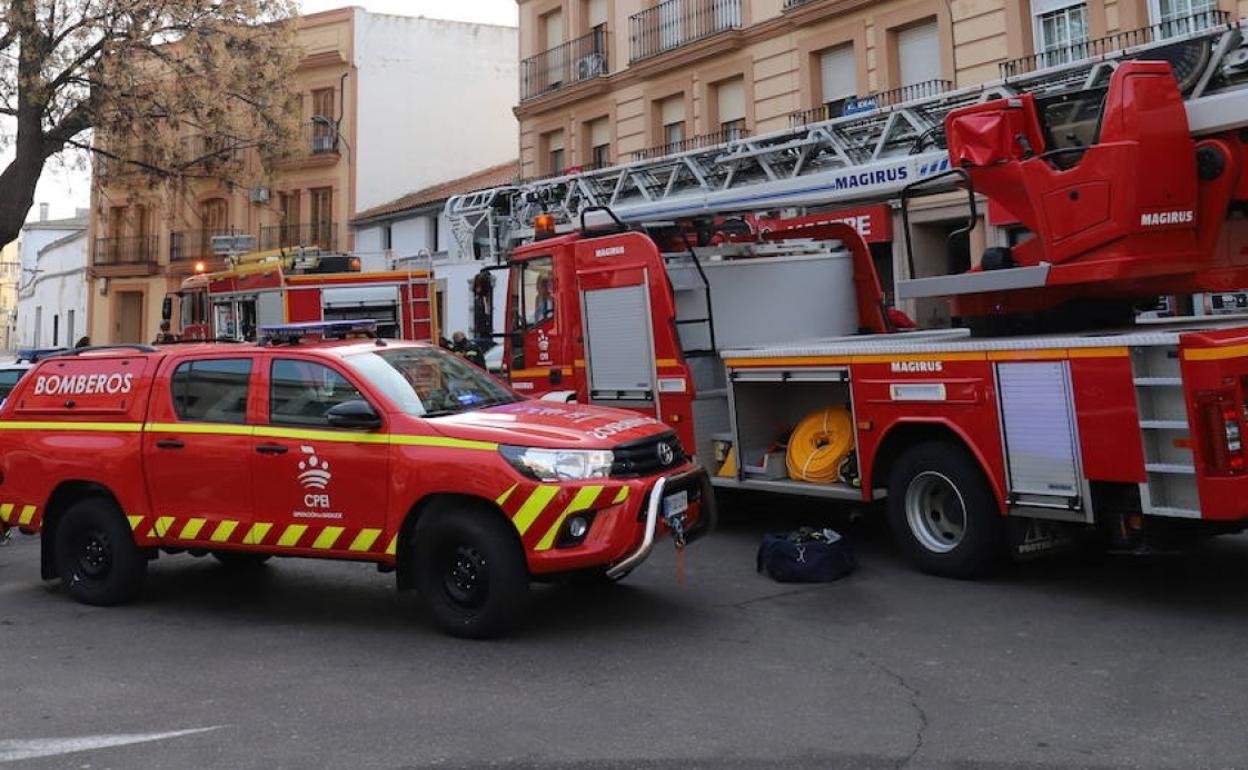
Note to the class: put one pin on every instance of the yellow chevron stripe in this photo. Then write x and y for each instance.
(291, 535)
(585, 497)
(28, 515)
(504, 496)
(327, 538)
(533, 507)
(620, 496)
(390, 548)
(223, 531)
(364, 540)
(5, 510)
(255, 535)
(163, 523)
(192, 528)
(135, 521)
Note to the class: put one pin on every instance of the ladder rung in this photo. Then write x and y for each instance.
(1160, 382)
(1169, 468)
(692, 321)
(1163, 424)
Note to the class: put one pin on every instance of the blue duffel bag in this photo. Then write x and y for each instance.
(806, 556)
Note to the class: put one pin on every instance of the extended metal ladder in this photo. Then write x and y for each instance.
(867, 156)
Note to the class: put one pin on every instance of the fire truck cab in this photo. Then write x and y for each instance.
(389, 452)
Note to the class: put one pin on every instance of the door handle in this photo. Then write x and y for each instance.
(169, 443)
(272, 449)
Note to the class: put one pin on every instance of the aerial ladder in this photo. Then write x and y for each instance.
(869, 156)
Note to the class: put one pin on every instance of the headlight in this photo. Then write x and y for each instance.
(559, 464)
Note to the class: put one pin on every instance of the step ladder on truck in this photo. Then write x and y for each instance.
(779, 366)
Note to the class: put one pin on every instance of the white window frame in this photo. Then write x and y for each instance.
(1050, 55)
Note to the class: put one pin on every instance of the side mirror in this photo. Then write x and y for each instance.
(354, 415)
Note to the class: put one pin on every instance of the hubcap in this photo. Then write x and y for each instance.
(95, 556)
(466, 578)
(935, 512)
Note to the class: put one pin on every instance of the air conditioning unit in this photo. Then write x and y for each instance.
(259, 195)
(591, 66)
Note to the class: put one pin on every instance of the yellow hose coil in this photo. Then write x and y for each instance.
(819, 444)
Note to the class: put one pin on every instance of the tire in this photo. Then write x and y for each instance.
(240, 560)
(470, 569)
(943, 513)
(96, 557)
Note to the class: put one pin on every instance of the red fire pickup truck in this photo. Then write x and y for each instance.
(389, 452)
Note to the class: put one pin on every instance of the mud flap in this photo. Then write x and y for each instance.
(1034, 538)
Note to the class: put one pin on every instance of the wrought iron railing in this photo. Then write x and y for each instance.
(854, 105)
(675, 23)
(795, 3)
(319, 137)
(321, 235)
(124, 250)
(584, 58)
(692, 143)
(1184, 25)
(198, 244)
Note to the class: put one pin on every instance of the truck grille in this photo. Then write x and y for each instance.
(647, 456)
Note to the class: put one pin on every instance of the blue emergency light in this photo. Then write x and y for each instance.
(329, 330)
(34, 354)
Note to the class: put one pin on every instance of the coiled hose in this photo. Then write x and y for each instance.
(819, 444)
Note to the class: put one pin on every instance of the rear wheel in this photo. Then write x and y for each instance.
(943, 512)
(95, 554)
(471, 570)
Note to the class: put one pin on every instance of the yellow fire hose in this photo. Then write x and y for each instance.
(818, 445)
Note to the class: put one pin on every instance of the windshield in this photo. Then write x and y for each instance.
(430, 382)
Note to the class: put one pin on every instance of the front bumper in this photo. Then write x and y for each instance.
(694, 478)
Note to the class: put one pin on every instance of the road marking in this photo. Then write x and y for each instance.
(15, 750)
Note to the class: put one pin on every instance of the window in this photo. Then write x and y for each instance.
(595, 13)
(303, 392)
(918, 53)
(69, 327)
(38, 324)
(212, 390)
(1061, 32)
(554, 153)
(536, 304)
(56, 330)
(599, 133)
(1181, 17)
(214, 215)
(838, 78)
(387, 237)
(322, 234)
(323, 104)
(672, 120)
(429, 382)
(8, 381)
(730, 104)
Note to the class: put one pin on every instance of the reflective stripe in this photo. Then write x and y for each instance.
(223, 531)
(28, 515)
(533, 507)
(199, 428)
(291, 536)
(98, 427)
(502, 499)
(192, 528)
(135, 521)
(327, 538)
(364, 540)
(585, 497)
(620, 496)
(390, 548)
(255, 535)
(162, 525)
(5, 510)
(446, 443)
(342, 437)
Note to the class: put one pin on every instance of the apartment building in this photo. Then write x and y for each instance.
(389, 104)
(613, 81)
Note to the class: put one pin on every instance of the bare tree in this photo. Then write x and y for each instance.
(166, 88)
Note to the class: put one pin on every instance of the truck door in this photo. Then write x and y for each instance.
(619, 340)
(536, 349)
(322, 488)
(197, 448)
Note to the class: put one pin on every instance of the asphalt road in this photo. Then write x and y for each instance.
(1071, 663)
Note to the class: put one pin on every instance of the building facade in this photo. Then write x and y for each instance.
(614, 81)
(10, 273)
(51, 306)
(389, 104)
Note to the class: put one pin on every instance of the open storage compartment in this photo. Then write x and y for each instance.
(768, 404)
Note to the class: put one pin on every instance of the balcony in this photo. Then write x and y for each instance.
(321, 235)
(855, 105)
(187, 245)
(692, 143)
(790, 4)
(676, 23)
(319, 138)
(1101, 46)
(584, 58)
(124, 251)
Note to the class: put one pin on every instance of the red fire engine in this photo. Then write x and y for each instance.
(1037, 424)
(390, 452)
(301, 286)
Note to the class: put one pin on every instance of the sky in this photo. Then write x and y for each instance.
(66, 189)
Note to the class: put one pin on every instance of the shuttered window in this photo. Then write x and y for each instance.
(918, 53)
(838, 73)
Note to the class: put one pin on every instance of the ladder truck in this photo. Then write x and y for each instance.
(1049, 416)
(300, 285)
